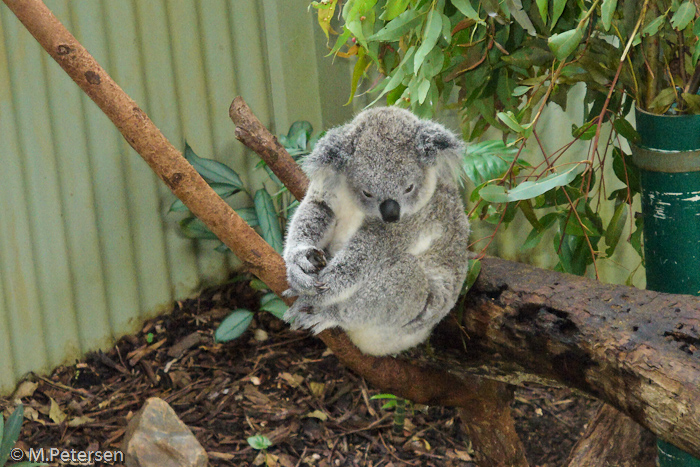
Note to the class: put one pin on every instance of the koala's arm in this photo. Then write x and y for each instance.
(308, 234)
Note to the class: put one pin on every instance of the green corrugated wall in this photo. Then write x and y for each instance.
(86, 247)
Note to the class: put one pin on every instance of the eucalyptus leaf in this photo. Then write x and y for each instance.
(267, 219)
(397, 27)
(607, 11)
(473, 271)
(663, 100)
(530, 189)
(431, 35)
(273, 304)
(564, 44)
(222, 189)
(683, 16)
(509, 119)
(557, 9)
(625, 128)
(192, 227)
(233, 326)
(393, 9)
(465, 7)
(543, 7)
(213, 171)
(11, 432)
(615, 228)
(653, 26)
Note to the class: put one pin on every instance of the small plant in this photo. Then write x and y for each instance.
(9, 433)
(259, 442)
(399, 405)
(269, 215)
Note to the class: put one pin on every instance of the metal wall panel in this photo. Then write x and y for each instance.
(87, 249)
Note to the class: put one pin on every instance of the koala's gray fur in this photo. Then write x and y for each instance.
(378, 246)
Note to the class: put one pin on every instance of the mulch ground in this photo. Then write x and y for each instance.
(272, 381)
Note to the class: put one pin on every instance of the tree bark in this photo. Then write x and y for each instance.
(635, 349)
(614, 439)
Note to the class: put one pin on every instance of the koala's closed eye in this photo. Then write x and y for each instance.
(367, 194)
(409, 189)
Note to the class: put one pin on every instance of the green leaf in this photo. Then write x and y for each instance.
(433, 63)
(423, 89)
(509, 119)
(543, 7)
(465, 7)
(248, 215)
(615, 228)
(683, 16)
(692, 102)
(213, 171)
(625, 128)
(520, 90)
(268, 219)
(233, 326)
(607, 11)
(358, 71)
(383, 396)
(273, 304)
(557, 9)
(564, 44)
(393, 9)
(431, 34)
(325, 14)
(487, 160)
(530, 189)
(519, 15)
(653, 26)
(300, 133)
(397, 27)
(626, 171)
(222, 189)
(472, 275)
(259, 442)
(663, 100)
(192, 227)
(11, 432)
(585, 132)
(636, 237)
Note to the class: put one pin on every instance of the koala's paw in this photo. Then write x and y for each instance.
(303, 316)
(303, 266)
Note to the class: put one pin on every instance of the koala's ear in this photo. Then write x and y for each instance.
(332, 151)
(433, 140)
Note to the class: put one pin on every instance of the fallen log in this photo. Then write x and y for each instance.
(634, 349)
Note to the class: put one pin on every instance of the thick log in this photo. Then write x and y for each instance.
(635, 349)
(612, 438)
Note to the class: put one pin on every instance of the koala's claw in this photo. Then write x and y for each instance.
(317, 258)
(321, 285)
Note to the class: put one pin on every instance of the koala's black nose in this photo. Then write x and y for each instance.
(390, 210)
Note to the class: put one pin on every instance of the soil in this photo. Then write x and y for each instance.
(271, 381)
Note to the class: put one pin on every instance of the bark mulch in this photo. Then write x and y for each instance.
(281, 384)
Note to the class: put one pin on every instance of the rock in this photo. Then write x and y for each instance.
(156, 437)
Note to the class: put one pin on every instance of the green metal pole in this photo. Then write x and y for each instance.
(669, 162)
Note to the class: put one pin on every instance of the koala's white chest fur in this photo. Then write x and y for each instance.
(426, 239)
(349, 218)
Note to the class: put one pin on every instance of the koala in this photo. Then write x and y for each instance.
(378, 247)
